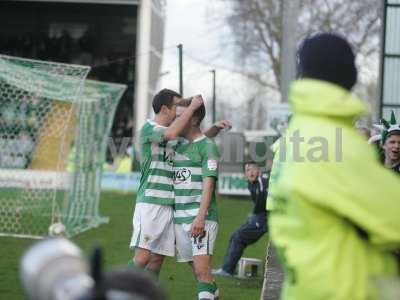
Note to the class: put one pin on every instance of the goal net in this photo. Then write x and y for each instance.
(53, 133)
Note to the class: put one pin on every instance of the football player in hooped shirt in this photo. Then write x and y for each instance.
(195, 214)
(153, 235)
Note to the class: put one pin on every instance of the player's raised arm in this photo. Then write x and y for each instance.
(214, 130)
(181, 122)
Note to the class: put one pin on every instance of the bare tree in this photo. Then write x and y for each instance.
(257, 31)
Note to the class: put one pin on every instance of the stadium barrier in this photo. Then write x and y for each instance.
(228, 183)
(122, 182)
(34, 179)
(232, 184)
(110, 181)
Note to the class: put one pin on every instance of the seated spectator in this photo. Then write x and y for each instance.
(255, 226)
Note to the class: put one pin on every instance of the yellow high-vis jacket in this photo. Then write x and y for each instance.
(336, 216)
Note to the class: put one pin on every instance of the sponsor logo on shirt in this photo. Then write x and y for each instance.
(182, 176)
(212, 164)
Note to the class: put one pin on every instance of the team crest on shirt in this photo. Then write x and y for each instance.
(182, 176)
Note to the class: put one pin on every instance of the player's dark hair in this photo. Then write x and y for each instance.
(164, 97)
(199, 113)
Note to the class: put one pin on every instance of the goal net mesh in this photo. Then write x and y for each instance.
(54, 126)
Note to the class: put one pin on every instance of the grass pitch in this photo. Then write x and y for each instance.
(114, 237)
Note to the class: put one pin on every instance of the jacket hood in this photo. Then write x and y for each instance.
(317, 97)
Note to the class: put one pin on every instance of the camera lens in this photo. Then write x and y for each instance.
(54, 269)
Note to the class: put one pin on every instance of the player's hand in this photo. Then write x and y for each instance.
(197, 226)
(223, 125)
(197, 101)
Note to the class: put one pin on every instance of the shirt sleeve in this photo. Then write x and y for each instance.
(265, 183)
(210, 160)
(153, 134)
(262, 196)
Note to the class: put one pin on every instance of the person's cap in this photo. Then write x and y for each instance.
(329, 57)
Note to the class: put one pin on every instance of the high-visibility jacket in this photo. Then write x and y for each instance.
(124, 165)
(336, 216)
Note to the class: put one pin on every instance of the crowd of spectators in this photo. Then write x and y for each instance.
(19, 119)
(19, 123)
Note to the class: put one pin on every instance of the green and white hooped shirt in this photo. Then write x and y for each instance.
(193, 162)
(156, 166)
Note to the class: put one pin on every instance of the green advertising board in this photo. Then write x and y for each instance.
(232, 184)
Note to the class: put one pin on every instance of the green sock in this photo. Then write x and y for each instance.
(206, 290)
(130, 264)
(216, 293)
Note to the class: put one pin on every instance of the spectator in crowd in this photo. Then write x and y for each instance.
(17, 128)
(390, 140)
(25, 147)
(335, 221)
(255, 226)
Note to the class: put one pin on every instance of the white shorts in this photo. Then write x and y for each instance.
(187, 246)
(153, 228)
